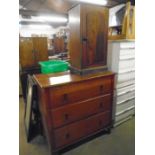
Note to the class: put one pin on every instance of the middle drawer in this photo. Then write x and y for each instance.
(80, 110)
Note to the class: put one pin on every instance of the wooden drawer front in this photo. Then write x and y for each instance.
(79, 91)
(73, 112)
(81, 129)
(98, 122)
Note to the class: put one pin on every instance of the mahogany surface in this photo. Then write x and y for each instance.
(88, 36)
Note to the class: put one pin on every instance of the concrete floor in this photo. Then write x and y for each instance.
(120, 142)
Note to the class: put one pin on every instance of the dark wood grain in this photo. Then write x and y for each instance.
(75, 108)
(88, 37)
(57, 79)
(71, 93)
(77, 111)
(32, 50)
(26, 56)
(75, 45)
(75, 131)
(40, 49)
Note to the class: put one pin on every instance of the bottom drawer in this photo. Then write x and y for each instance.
(124, 115)
(125, 105)
(83, 128)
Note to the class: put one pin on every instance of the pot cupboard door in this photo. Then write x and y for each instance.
(26, 53)
(96, 37)
(40, 49)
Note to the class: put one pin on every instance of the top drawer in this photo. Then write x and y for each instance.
(125, 45)
(75, 92)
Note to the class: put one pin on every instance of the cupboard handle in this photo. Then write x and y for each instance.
(67, 136)
(84, 39)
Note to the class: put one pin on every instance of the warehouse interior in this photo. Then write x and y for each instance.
(76, 77)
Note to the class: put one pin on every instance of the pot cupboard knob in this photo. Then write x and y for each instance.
(66, 116)
(101, 88)
(101, 105)
(65, 98)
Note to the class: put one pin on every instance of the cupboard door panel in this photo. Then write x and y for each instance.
(40, 49)
(26, 53)
(95, 37)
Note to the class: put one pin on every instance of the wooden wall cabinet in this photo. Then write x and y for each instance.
(32, 50)
(88, 37)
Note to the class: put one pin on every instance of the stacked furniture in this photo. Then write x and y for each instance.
(31, 51)
(121, 60)
(77, 105)
(74, 107)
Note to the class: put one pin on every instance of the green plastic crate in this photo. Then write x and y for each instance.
(53, 66)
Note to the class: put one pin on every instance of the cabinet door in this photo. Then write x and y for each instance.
(26, 54)
(40, 49)
(95, 36)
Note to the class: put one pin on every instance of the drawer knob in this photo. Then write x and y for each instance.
(66, 116)
(101, 88)
(101, 105)
(65, 98)
(100, 122)
(67, 136)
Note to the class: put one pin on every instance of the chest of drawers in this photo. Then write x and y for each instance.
(74, 107)
(121, 60)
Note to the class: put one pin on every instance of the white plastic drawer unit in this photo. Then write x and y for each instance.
(124, 84)
(129, 45)
(125, 93)
(125, 96)
(123, 90)
(125, 114)
(127, 54)
(126, 64)
(127, 76)
(124, 105)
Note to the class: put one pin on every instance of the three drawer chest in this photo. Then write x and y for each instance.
(74, 107)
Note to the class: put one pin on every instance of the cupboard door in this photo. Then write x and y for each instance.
(40, 49)
(26, 54)
(96, 32)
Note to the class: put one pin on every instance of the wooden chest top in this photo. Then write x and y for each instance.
(55, 79)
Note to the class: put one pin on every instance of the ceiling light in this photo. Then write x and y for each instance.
(52, 19)
(55, 19)
(97, 2)
(35, 26)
